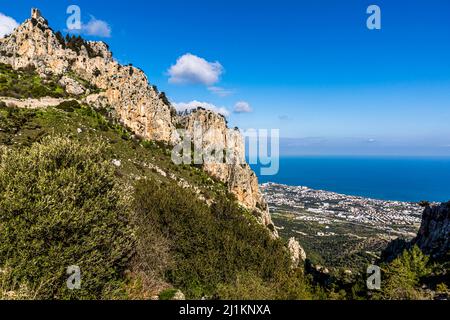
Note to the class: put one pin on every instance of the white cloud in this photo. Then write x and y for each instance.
(192, 69)
(221, 92)
(242, 107)
(7, 25)
(183, 106)
(95, 27)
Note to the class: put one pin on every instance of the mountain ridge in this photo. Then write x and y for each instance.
(126, 94)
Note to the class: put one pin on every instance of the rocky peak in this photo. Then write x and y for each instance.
(36, 14)
(37, 17)
(124, 89)
(100, 49)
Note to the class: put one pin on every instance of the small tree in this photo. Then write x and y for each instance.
(401, 277)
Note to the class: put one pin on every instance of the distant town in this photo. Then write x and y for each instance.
(327, 208)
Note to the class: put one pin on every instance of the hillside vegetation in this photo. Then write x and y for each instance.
(25, 83)
(79, 189)
(132, 229)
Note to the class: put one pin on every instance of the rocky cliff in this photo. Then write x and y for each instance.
(127, 95)
(226, 150)
(433, 237)
(125, 89)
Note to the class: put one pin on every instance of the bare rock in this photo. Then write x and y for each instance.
(179, 296)
(125, 88)
(72, 86)
(433, 237)
(224, 159)
(116, 163)
(298, 254)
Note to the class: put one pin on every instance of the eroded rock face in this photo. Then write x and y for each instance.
(71, 86)
(298, 254)
(126, 94)
(226, 150)
(125, 89)
(433, 237)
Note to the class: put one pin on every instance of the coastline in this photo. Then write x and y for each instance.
(390, 179)
(328, 208)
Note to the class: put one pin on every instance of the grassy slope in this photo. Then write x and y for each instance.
(27, 84)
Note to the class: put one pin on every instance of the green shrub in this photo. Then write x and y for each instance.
(209, 245)
(401, 278)
(167, 294)
(26, 83)
(152, 254)
(247, 286)
(60, 205)
(69, 106)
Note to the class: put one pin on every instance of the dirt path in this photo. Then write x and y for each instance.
(33, 103)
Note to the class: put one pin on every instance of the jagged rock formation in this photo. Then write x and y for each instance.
(126, 93)
(72, 86)
(224, 159)
(433, 237)
(298, 254)
(124, 89)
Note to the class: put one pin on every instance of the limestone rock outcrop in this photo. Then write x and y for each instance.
(125, 89)
(224, 159)
(298, 254)
(72, 86)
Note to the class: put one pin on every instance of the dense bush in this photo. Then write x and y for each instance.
(61, 206)
(210, 245)
(69, 106)
(152, 256)
(246, 286)
(401, 277)
(12, 119)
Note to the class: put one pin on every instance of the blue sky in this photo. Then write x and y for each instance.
(310, 68)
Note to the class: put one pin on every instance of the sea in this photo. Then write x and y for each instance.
(408, 179)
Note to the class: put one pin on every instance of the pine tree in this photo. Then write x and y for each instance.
(401, 278)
